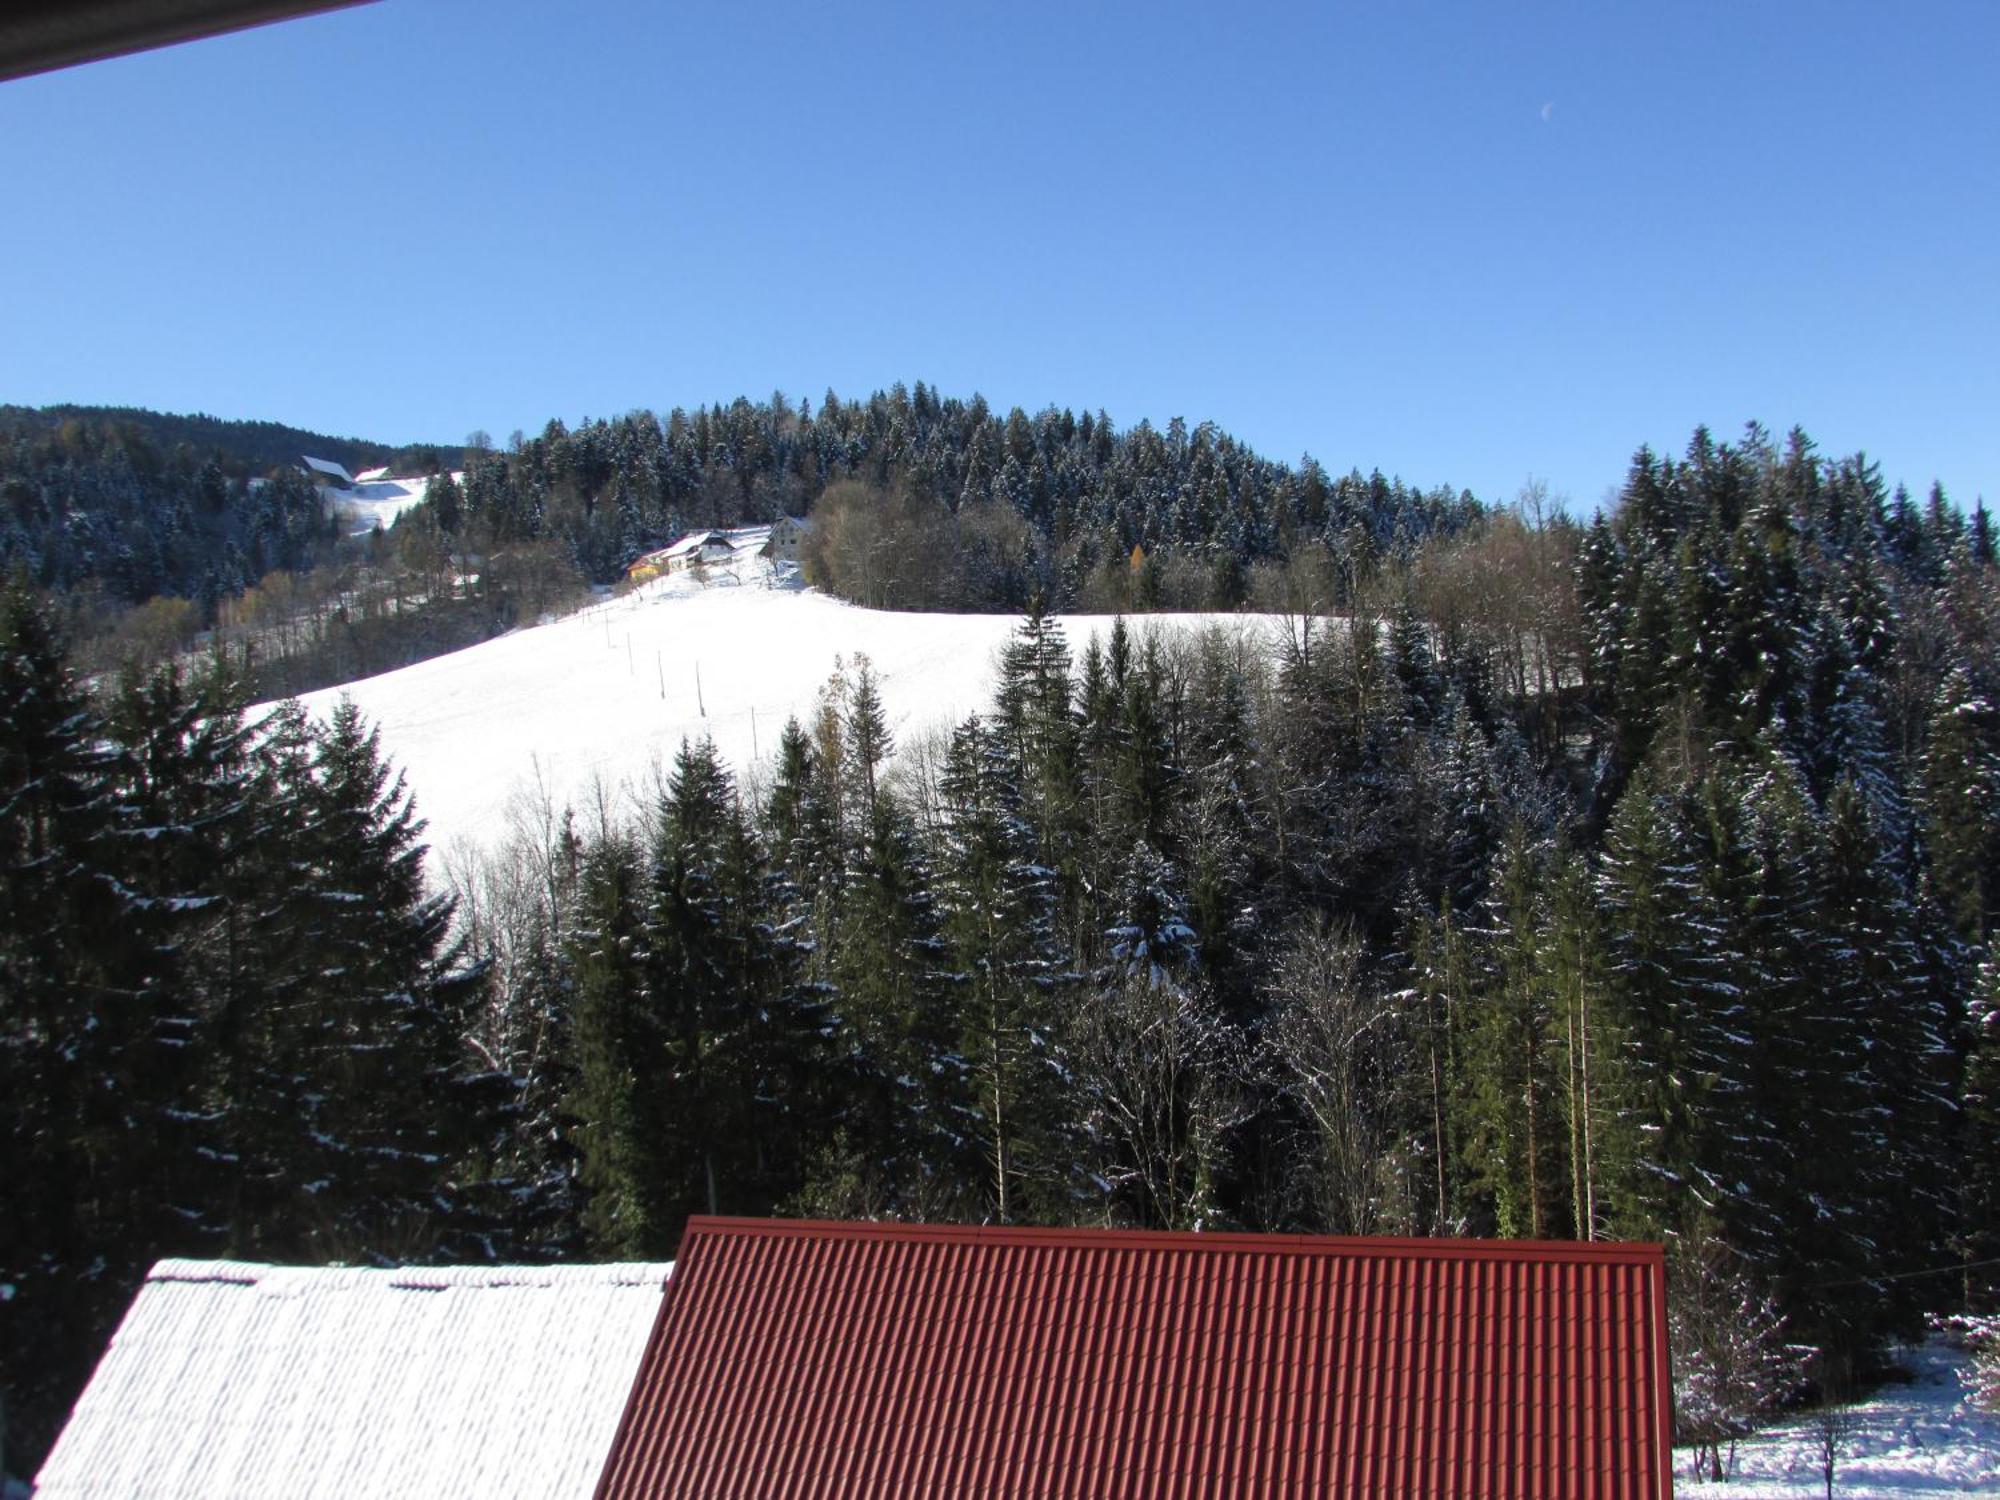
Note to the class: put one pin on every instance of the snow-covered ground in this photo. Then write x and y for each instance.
(377, 502)
(605, 697)
(1907, 1440)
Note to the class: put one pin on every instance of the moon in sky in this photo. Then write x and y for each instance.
(1548, 111)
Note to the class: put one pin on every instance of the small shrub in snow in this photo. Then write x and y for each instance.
(1732, 1366)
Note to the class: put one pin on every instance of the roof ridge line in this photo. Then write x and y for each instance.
(1435, 1247)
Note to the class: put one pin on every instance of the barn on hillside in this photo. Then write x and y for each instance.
(805, 1359)
(230, 1381)
(327, 474)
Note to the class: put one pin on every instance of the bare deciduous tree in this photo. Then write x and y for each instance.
(885, 550)
(1337, 1046)
(1833, 1428)
(1161, 1072)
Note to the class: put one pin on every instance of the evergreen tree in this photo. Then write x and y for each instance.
(1881, 1049)
(401, 1105)
(1978, 1198)
(1739, 835)
(1220, 826)
(204, 851)
(1668, 983)
(1510, 1127)
(713, 981)
(89, 1044)
(268, 999)
(995, 906)
(1439, 1001)
(1591, 1081)
(868, 741)
(804, 839)
(905, 1146)
(1960, 775)
(616, 1039)
(1038, 732)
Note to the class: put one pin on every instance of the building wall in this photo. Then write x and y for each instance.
(786, 539)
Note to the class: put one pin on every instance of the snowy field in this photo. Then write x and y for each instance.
(377, 502)
(603, 699)
(1908, 1441)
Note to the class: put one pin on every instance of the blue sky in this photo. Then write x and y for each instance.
(1463, 243)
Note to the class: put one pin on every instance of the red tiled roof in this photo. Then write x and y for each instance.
(802, 1359)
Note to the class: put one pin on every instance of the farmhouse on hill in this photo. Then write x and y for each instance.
(699, 548)
(646, 566)
(788, 535)
(842, 1359)
(236, 1380)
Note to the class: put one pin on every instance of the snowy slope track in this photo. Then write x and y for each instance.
(605, 697)
(1909, 1441)
(377, 502)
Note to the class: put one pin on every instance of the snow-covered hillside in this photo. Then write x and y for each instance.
(377, 502)
(1908, 1440)
(606, 696)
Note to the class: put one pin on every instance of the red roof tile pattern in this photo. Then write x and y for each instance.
(805, 1359)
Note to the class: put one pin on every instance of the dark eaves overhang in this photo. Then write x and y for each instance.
(39, 35)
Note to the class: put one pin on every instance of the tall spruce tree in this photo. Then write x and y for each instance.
(1884, 1060)
(617, 1044)
(389, 1139)
(713, 978)
(90, 1041)
(1960, 798)
(995, 905)
(1665, 978)
(1978, 1139)
(1511, 1130)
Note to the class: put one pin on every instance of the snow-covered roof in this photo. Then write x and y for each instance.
(743, 538)
(694, 541)
(327, 467)
(230, 1379)
(367, 474)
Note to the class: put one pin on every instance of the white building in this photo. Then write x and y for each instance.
(788, 535)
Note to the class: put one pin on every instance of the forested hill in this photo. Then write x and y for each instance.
(243, 447)
(984, 508)
(128, 505)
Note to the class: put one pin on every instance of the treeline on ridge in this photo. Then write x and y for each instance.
(931, 499)
(982, 509)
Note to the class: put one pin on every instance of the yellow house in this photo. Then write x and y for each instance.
(642, 569)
